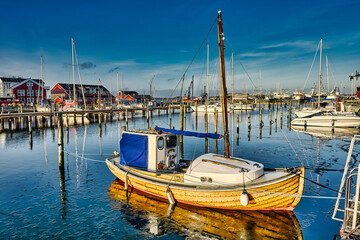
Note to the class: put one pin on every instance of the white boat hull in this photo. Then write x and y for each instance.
(328, 121)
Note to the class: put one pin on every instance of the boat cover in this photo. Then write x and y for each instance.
(134, 150)
(188, 133)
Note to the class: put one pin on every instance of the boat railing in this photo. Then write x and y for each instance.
(351, 202)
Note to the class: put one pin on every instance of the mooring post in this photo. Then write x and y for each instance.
(169, 116)
(237, 124)
(51, 121)
(181, 118)
(75, 119)
(10, 124)
(290, 112)
(206, 130)
(60, 142)
(184, 117)
(1, 124)
(147, 115)
(196, 109)
(276, 115)
(249, 126)
(216, 120)
(126, 119)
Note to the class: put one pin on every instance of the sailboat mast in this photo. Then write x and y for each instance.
(207, 75)
(327, 74)
(117, 87)
(232, 77)
(223, 85)
(73, 67)
(320, 74)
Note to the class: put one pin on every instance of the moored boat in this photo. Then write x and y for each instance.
(149, 162)
(328, 119)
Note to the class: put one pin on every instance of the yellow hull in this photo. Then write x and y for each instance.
(221, 224)
(282, 193)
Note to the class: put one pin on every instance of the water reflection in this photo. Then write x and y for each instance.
(155, 217)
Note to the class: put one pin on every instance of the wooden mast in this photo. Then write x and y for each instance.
(223, 85)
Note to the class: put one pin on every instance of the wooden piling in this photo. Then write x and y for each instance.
(169, 116)
(216, 120)
(60, 142)
(75, 119)
(237, 124)
(2, 124)
(10, 124)
(249, 126)
(29, 124)
(126, 118)
(196, 109)
(184, 117)
(181, 118)
(51, 121)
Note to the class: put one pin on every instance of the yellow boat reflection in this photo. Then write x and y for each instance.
(159, 219)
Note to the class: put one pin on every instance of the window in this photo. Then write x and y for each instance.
(171, 141)
(22, 100)
(21, 92)
(29, 84)
(38, 93)
(160, 143)
(30, 92)
(30, 100)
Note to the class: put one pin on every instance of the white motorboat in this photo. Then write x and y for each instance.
(328, 119)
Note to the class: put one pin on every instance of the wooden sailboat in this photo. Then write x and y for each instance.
(154, 216)
(149, 162)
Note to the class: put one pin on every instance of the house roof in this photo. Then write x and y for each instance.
(69, 86)
(18, 80)
(17, 84)
(132, 93)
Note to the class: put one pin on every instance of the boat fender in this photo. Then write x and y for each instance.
(244, 198)
(170, 196)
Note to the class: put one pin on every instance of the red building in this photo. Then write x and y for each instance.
(24, 90)
(92, 93)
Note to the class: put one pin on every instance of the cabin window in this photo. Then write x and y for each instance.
(160, 143)
(171, 141)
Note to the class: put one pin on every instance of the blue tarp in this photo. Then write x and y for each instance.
(134, 150)
(188, 133)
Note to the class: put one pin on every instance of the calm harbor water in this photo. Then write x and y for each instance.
(89, 203)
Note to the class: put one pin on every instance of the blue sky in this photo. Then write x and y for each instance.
(140, 39)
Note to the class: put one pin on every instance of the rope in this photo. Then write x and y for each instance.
(292, 147)
(88, 159)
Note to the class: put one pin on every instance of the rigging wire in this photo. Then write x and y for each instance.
(312, 64)
(183, 76)
(243, 67)
(292, 147)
